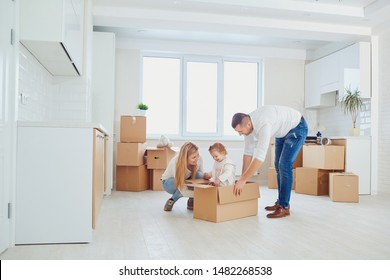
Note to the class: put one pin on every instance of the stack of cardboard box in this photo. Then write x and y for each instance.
(272, 181)
(319, 170)
(157, 162)
(318, 162)
(131, 171)
(323, 174)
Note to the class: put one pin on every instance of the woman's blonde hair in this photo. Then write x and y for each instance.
(186, 151)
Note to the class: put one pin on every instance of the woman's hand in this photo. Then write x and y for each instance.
(206, 176)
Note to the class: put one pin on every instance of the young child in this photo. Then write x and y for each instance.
(224, 169)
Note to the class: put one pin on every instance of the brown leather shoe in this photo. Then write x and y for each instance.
(190, 203)
(280, 212)
(272, 208)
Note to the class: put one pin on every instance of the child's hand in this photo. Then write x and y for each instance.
(217, 182)
(206, 176)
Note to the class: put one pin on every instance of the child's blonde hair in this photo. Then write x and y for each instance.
(186, 151)
(218, 147)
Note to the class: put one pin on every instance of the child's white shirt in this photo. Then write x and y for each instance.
(225, 171)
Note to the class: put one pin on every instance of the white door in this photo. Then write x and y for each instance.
(7, 119)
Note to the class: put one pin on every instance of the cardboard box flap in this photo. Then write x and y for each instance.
(199, 183)
(168, 149)
(225, 194)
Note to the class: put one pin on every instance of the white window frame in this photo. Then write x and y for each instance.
(183, 134)
(205, 59)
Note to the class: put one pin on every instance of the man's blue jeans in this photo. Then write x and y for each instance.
(286, 151)
(169, 186)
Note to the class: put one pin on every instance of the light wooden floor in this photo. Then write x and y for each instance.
(134, 226)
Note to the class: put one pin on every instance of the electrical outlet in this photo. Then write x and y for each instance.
(23, 99)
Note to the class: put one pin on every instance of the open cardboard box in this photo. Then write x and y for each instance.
(158, 158)
(219, 204)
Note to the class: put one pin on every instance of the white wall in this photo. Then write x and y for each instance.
(127, 84)
(384, 113)
(337, 123)
(284, 82)
(48, 98)
(290, 92)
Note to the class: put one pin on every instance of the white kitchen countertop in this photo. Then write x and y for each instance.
(62, 124)
(348, 137)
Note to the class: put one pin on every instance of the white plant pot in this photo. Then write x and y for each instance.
(141, 112)
(354, 132)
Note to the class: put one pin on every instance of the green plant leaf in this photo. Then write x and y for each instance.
(352, 103)
(142, 106)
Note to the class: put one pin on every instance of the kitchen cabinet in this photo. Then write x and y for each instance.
(52, 30)
(59, 186)
(357, 159)
(322, 81)
(98, 174)
(355, 69)
(312, 96)
(103, 94)
(331, 74)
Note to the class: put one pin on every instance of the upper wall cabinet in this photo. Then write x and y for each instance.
(52, 30)
(312, 84)
(355, 62)
(322, 81)
(349, 67)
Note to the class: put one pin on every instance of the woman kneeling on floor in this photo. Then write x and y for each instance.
(185, 165)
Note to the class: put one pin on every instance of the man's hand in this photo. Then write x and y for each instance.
(238, 187)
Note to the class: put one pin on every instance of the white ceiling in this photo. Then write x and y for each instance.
(293, 24)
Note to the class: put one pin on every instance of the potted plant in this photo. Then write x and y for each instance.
(352, 103)
(142, 108)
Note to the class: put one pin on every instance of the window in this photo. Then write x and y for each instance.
(240, 90)
(201, 93)
(161, 91)
(197, 96)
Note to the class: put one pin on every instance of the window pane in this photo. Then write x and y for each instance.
(240, 91)
(201, 97)
(161, 92)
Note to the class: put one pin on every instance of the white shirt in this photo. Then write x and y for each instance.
(171, 168)
(225, 171)
(268, 122)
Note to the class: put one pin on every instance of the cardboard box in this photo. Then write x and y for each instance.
(344, 187)
(219, 204)
(329, 157)
(312, 181)
(133, 129)
(132, 178)
(273, 181)
(158, 158)
(130, 154)
(155, 179)
(297, 163)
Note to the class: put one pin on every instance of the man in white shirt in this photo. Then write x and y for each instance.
(289, 129)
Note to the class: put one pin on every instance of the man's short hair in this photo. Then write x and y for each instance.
(238, 118)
